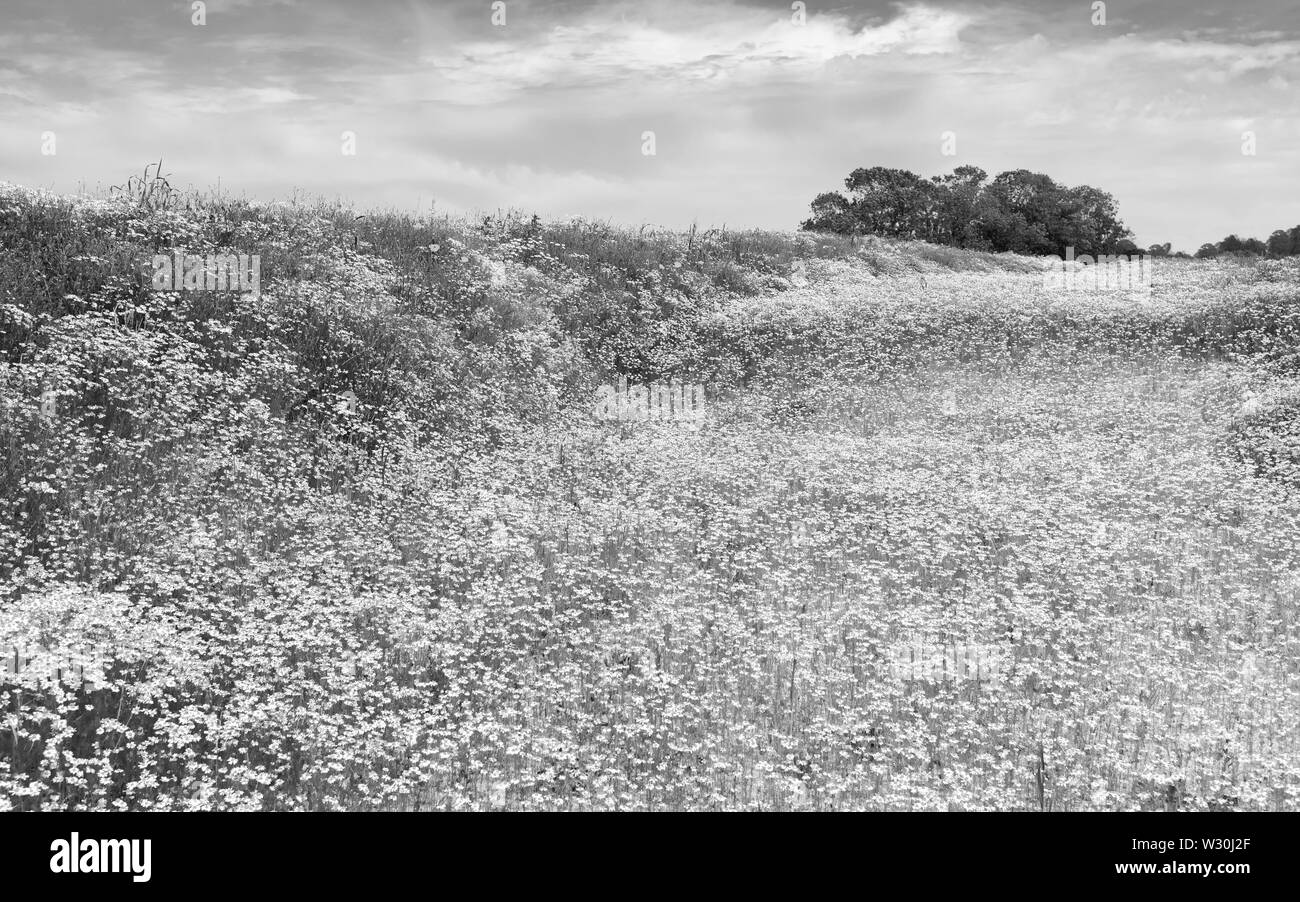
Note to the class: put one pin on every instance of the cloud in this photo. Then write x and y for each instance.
(701, 44)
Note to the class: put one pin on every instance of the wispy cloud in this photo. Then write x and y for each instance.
(718, 43)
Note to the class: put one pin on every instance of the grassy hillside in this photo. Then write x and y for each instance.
(469, 592)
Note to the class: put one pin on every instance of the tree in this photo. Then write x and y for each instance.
(893, 202)
(959, 206)
(1028, 196)
(1280, 244)
(1231, 245)
(1093, 225)
(832, 212)
(1027, 213)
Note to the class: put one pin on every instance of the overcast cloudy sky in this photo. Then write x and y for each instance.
(752, 114)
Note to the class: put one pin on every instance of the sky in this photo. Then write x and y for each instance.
(754, 108)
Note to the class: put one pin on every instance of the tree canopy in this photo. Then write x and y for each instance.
(1018, 210)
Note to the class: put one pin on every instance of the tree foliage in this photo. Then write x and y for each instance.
(1021, 211)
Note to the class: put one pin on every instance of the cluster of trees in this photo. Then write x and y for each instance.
(1022, 211)
(1282, 243)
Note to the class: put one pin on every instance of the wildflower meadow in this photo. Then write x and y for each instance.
(935, 534)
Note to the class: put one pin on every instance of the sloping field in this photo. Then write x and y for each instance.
(1081, 522)
(942, 538)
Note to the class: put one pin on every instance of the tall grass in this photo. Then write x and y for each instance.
(466, 591)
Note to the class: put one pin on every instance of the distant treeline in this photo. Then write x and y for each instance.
(1020, 211)
(1282, 243)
